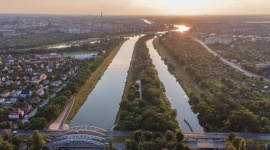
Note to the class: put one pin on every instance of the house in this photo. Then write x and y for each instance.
(35, 81)
(26, 93)
(15, 114)
(17, 82)
(43, 76)
(34, 100)
(29, 69)
(15, 94)
(26, 108)
(9, 82)
(64, 77)
(57, 83)
(26, 77)
(2, 101)
(10, 60)
(10, 71)
(5, 94)
(49, 70)
(5, 68)
(42, 66)
(40, 92)
(13, 100)
(46, 82)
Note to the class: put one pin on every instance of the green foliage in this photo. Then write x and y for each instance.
(148, 135)
(38, 142)
(169, 135)
(235, 102)
(179, 136)
(5, 134)
(137, 134)
(130, 144)
(5, 145)
(38, 123)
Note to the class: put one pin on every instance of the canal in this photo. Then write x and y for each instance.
(175, 93)
(102, 104)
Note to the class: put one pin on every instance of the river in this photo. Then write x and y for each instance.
(102, 104)
(175, 93)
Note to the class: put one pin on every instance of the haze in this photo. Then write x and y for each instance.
(136, 7)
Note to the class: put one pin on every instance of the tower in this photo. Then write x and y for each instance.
(101, 15)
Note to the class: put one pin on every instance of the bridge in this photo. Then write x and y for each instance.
(96, 138)
(83, 136)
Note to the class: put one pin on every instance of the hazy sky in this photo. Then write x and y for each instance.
(136, 7)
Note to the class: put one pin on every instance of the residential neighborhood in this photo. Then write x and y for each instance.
(26, 81)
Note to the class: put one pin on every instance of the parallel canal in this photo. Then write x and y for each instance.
(102, 104)
(175, 93)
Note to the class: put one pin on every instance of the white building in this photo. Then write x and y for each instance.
(83, 57)
(221, 39)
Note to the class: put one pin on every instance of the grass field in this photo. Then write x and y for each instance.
(187, 83)
(91, 82)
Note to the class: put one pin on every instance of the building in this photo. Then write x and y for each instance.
(34, 100)
(15, 94)
(15, 114)
(83, 57)
(262, 65)
(221, 39)
(5, 94)
(26, 93)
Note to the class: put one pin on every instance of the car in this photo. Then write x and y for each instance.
(48, 140)
(25, 116)
(14, 132)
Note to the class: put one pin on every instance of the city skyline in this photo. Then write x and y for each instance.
(136, 7)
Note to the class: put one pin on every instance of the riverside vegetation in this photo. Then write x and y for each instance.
(236, 102)
(153, 111)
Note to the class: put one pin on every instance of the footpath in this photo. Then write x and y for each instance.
(58, 124)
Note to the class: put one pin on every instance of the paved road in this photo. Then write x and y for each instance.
(235, 66)
(44, 103)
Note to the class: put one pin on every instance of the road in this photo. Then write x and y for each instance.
(44, 103)
(235, 66)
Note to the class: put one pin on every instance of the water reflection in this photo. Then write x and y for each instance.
(182, 28)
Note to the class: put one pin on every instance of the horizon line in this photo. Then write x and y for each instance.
(104, 14)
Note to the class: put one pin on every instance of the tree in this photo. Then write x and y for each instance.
(16, 141)
(38, 123)
(38, 142)
(130, 144)
(242, 145)
(157, 135)
(5, 134)
(148, 135)
(110, 146)
(179, 136)
(137, 134)
(169, 135)
(231, 136)
(4, 145)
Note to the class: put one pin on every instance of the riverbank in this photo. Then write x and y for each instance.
(184, 79)
(91, 82)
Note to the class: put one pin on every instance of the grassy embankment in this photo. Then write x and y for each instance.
(186, 81)
(91, 82)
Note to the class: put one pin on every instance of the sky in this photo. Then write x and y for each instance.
(136, 7)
